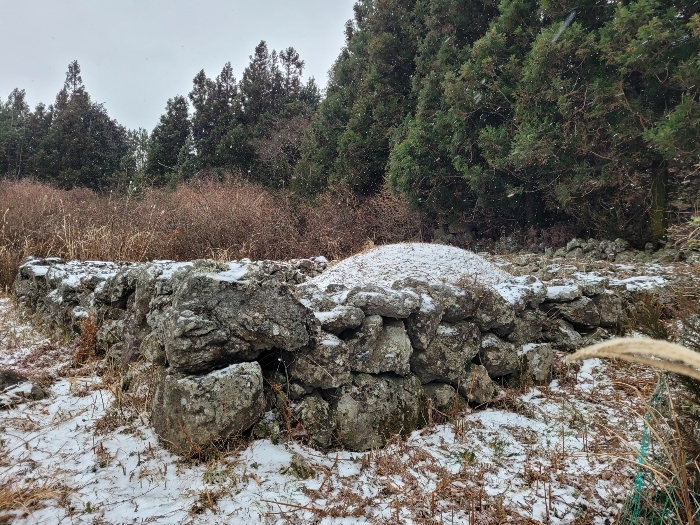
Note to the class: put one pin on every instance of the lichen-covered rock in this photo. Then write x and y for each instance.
(203, 409)
(498, 357)
(610, 308)
(325, 365)
(376, 407)
(591, 284)
(362, 341)
(314, 414)
(152, 349)
(377, 300)
(453, 346)
(421, 325)
(537, 361)
(443, 397)
(476, 386)
(391, 353)
(562, 335)
(495, 315)
(109, 334)
(226, 313)
(458, 303)
(340, 318)
(528, 327)
(582, 312)
(563, 293)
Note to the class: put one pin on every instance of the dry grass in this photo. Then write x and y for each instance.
(659, 354)
(28, 496)
(202, 219)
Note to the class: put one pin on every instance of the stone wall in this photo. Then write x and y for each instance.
(245, 344)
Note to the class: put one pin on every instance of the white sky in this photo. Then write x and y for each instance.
(135, 54)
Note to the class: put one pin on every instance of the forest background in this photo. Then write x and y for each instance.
(497, 116)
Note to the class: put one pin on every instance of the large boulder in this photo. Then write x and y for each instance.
(376, 407)
(222, 313)
(453, 346)
(193, 411)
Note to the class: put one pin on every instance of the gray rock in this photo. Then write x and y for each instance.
(453, 346)
(536, 363)
(562, 335)
(152, 350)
(576, 253)
(374, 408)
(495, 315)
(458, 303)
(592, 285)
(573, 244)
(498, 357)
(443, 397)
(376, 300)
(391, 353)
(421, 325)
(110, 333)
(476, 386)
(326, 365)
(312, 297)
(362, 341)
(314, 414)
(563, 293)
(203, 409)
(528, 327)
(610, 307)
(217, 316)
(9, 379)
(582, 312)
(340, 318)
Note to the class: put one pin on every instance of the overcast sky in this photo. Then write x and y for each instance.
(135, 54)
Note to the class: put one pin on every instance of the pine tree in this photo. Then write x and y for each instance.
(167, 140)
(83, 146)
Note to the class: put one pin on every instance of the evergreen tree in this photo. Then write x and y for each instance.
(14, 121)
(167, 141)
(83, 146)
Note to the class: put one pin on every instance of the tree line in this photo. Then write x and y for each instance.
(506, 113)
(253, 126)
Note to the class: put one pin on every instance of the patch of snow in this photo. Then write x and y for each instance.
(431, 263)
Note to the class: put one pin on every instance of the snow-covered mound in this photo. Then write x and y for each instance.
(431, 263)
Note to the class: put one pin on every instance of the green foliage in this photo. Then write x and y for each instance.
(72, 143)
(169, 143)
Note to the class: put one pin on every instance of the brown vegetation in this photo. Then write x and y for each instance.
(203, 219)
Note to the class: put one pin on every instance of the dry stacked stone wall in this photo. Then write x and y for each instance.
(257, 345)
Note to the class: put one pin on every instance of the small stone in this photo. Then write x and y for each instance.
(498, 357)
(476, 385)
(537, 361)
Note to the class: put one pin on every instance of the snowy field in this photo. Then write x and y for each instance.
(549, 455)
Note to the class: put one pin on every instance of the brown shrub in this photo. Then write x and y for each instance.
(202, 219)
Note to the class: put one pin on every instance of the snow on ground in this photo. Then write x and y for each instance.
(548, 454)
(431, 263)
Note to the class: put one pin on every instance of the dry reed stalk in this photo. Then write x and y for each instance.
(659, 354)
